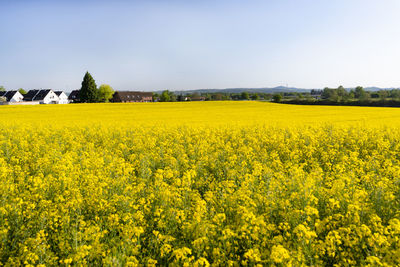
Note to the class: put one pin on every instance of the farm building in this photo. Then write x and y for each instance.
(197, 98)
(43, 96)
(12, 96)
(132, 96)
(74, 96)
(62, 97)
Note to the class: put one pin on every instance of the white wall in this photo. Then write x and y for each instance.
(63, 98)
(18, 97)
(51, 98)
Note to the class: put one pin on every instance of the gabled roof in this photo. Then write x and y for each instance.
(8, 94)
(131, 95)
(74, 95)
(58, 93)
(36, 95)
(42, 94)
(30, 95)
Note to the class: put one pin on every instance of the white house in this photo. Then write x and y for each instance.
(12, 96)
(63, 98)
(43, 96)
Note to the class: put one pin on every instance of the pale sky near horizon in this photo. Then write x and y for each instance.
(178, 45)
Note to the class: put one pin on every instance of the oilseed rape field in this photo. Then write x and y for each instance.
(199, 184)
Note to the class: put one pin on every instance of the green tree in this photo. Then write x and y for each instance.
(88, 92)
(309, 98)
(2, 88)
(165, 96)
(106, 92)
(299, 96)
(326, 93)
(22, 91)
(156, 97)
(172, 97)
(245, 96)
(334, 95)
(277, 98)
(255, 96)
(366, 97)
(359, 92)
(330, 94)
(342, 93)
(180, 98)
(383, 94)
(395, 93)
(226, 97)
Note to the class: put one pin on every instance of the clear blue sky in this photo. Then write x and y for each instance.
(152, 45)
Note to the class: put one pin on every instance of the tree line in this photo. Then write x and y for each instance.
(342, 96)
(169, 96)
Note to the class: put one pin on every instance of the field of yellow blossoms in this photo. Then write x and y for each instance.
(199, 184)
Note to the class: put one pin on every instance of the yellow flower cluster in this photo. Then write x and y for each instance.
(75, 191)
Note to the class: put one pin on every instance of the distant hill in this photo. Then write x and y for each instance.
(377, 88)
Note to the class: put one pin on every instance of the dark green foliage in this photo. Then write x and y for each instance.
(299, 96)
(356, 97)
(172, 97)
(245, 96)
(359, 92)
(88, 92)
(180, 98)
(383, 94)
(156, 97)
(366, 103)
(255, 96)
(277, 98)
(165, 97)
(395, 94)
